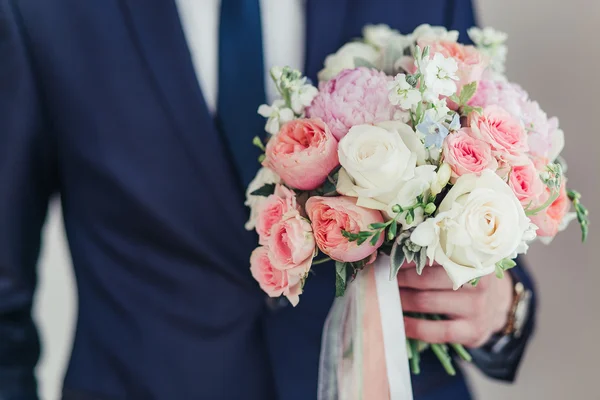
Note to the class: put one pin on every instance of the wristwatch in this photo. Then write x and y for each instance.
(517, 317)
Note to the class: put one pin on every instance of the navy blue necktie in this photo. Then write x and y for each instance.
(241, 82)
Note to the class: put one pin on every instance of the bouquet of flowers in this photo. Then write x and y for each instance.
(413, 148)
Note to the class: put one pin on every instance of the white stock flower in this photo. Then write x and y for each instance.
(345, 58)
(402, 94)
(277, 114)
(426, 31)
(302, 96)
(263, 177)
(381, 166)
(439, 111)
(479, 223)
(379, 35)
(487, 36)
(492, 44)
(440, 76)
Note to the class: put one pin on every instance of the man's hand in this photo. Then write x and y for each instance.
(474, 313)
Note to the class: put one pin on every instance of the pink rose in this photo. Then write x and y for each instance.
(330, 215)
(502, 131)
(467, 155)
(354, 97)
(303, 153)
(471, 63)
(272, 281)
(292, 245)
(525, 182)
(549, 221)
(273, 209)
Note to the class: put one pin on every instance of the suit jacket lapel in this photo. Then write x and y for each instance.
(324, 32)
(157, 32)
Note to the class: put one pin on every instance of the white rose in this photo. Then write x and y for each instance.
(379, 35)
(345, 57)
(381, 166)
(479, 222)
(263, 177)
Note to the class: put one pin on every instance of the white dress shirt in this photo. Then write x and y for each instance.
(283, 40)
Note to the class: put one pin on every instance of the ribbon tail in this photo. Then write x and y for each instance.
(394, 335)
(363, 353)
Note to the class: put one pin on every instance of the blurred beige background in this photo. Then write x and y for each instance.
(554, 52)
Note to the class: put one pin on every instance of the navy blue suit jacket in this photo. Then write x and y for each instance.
(99, 103)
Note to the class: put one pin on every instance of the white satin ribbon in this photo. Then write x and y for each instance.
(394, 336)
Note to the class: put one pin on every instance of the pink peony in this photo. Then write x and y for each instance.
(292, 245)
(549, 221)
(501, 130)
(272, 210)
(303, 153)
(467, 155)
(509, 96)
(354, 97)
(273, 281)
(544, 137)
(471, 62)
(330, 215)
(525, 182)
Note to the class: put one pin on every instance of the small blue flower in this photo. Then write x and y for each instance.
(434, 132)
(455, 124)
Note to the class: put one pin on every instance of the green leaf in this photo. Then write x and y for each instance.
(348, 235)
(499, 272)
(377, 225)
(455, 99)
(329, 187)
(506, 264)
(375, 238)
(340, 278)
(361, 62)
(266, 190)
(467, 92)
(361, 240)
(422, 260)
(397, 258)
(466, 110)
(475, 281)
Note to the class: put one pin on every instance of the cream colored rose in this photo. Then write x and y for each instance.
(381, 167)
(379, 35)
(345, 58)
(479, 222)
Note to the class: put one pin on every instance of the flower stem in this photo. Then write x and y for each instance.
(548, 202)
(461, 351)
(321, 261)
(415, 360)
(444, 358)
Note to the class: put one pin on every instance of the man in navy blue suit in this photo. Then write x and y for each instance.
(140, 114)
